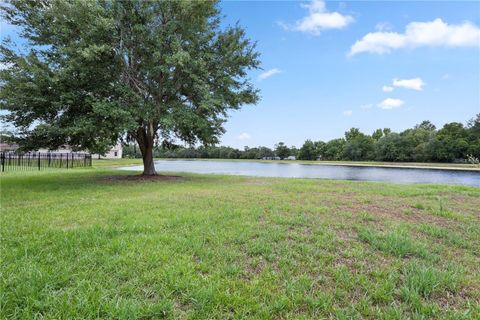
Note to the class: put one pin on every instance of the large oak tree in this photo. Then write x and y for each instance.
(93, 72)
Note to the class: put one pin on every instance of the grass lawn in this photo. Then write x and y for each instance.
(81, 244)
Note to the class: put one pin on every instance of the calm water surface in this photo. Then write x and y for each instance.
(295, 170)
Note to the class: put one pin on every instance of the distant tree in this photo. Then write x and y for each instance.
(250, 153)
(190, 153)
(308, 151)
(224, 152)
(352, 134)
(281, 150)
(473, 129)
(392, 147)
(293, 151)
(414, 143)
(359, 149)
(130, 150)
(203, 152)
(426, 125)
(420, 153)
(377, 134)
(474, 125)
(358, 146)
(234, 154)
(449, 144)
(320, 149)
(264, 152)
(95, 71)
(334, 149)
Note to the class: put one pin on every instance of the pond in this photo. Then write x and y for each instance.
(324, 171)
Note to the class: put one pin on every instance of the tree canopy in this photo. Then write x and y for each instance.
(148, 71)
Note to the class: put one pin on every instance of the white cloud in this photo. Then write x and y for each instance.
(390, 103)
(387, 89)
(434, 33)
(319, 19)
(269, 73)
(347, 113)
(414, 84)
(244, 136)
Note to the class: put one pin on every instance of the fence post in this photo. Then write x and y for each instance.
(67, 160)
(38, 155)
(60, 160)
(49, 159)
(3, 161)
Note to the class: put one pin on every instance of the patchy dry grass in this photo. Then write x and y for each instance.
(80, 244)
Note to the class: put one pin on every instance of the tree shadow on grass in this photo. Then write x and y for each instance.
(66, 181)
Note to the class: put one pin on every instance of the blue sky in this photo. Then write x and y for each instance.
(329, 66)
(318, 90)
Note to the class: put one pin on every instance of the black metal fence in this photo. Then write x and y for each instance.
(11, 161)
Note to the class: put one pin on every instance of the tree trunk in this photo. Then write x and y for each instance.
(148, 164)
(145, 139)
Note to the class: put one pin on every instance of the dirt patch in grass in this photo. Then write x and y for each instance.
(403, 212)
(464, 204)
(456, 300)
(397, 211)
(141, 177)
(378, 208)
(344, 234)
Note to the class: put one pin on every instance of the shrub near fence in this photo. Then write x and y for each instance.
(11, 161)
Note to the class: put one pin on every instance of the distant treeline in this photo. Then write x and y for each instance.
(454, 142)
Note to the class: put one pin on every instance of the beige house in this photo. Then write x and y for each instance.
(8, 147)
(114, 153)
